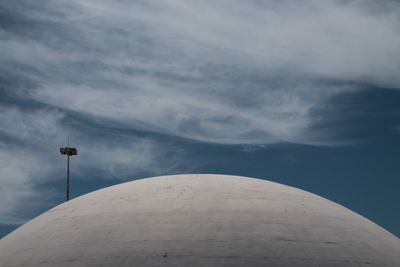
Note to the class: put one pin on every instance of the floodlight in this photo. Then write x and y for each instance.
(69, 151)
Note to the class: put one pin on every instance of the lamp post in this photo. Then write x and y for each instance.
(69, 151)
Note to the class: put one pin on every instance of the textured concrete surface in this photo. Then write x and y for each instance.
(200, 220)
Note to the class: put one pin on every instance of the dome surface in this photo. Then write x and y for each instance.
(200, 220)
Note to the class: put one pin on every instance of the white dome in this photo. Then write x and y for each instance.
(200, 220)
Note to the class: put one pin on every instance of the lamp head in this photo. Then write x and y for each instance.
(69, 151)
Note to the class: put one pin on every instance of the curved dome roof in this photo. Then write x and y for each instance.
(200, 220)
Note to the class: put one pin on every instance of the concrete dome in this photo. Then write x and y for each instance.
(200, 220)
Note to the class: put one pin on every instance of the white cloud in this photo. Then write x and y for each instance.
(21, 172)
(224, 72)
(31, 126)
(329, 39)
(25, 161)
(29, 158)
(173, 108)
(237, 72)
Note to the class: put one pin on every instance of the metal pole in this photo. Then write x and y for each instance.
(67, 177)
(69, 151)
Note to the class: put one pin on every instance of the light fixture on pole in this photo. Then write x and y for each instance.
(69, 151)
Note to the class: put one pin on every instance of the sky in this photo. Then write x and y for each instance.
(300, 92)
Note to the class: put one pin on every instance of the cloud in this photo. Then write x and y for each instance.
(23, 162)
(20, 172)
(226, 72)
(242, 73)
(29, 158)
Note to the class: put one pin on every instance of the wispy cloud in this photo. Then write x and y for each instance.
(21, 173)
(242, 72)
(29, 159)
(227, 72)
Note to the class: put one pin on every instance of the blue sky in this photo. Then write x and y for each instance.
(305, 93)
